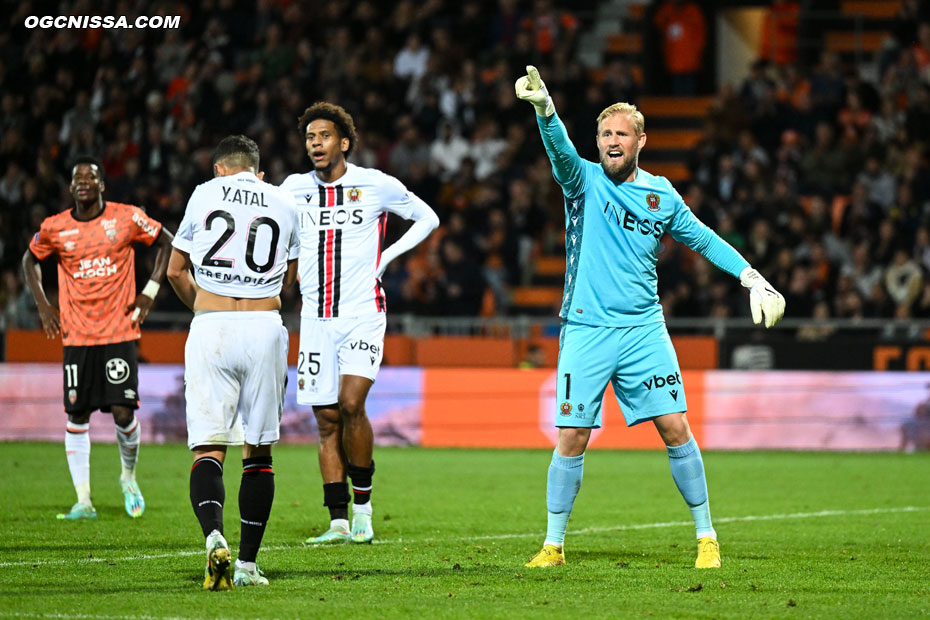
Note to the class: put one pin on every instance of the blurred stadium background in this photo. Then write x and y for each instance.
(798, 130)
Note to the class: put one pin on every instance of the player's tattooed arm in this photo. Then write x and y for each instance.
(48, 314)
(144, 301)
(181, 278)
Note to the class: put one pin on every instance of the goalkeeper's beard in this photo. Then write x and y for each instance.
(620, 174)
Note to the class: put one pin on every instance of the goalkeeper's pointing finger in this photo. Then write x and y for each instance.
(533, 74)
(531, 88)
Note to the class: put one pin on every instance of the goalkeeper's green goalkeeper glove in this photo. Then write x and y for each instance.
(764, 300)
(531, 88)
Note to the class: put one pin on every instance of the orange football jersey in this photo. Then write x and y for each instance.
(96, 270)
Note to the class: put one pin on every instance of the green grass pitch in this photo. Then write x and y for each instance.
(803, 535)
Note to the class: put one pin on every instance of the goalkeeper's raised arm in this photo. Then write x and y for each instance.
(567, 165)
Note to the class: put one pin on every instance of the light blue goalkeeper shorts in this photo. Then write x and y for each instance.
(639, 362)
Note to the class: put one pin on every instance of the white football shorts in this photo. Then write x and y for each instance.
(330, 348)
(235, 374)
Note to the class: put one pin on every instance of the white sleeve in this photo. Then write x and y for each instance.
(184, 237)
(286, 182)
(401, 201)
(396, 198)
(293, 245)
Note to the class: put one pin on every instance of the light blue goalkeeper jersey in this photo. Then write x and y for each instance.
(612, 233)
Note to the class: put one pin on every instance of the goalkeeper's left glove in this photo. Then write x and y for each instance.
(764, 300)
(531, 88)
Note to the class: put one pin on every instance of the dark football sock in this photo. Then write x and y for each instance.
(208, 493)
(336, 498)
(361, 482)
(256, 494)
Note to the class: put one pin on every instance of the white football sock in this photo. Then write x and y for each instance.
(339, 524)
(128, 439)
(77, 449)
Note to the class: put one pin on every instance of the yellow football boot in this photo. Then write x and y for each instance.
(549, 555)
(708, 553)
(217, 576)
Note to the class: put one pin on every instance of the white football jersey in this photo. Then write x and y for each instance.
(240, 232)
(342, 228)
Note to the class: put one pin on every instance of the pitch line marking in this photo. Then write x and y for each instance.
(61, 616)
(587, 530)
(646, 526)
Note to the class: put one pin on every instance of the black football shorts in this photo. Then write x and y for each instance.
(100, 376)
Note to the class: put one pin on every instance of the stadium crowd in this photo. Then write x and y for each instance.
(817, 175)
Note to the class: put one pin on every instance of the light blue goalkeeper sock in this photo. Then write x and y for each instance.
(563, 484)
(688, 473)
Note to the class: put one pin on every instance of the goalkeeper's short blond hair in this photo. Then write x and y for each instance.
(639, 121)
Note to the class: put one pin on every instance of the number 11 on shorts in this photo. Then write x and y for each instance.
(71, 375)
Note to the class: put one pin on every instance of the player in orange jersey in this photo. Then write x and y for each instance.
(98, 315)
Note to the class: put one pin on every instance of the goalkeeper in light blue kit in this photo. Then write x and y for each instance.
(613, 329)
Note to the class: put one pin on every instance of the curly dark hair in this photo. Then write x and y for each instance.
(330, 112)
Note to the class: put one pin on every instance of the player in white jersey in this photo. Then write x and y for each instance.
(239, 237)
(343, 212)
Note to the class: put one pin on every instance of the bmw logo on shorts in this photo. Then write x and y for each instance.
(117, 370)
